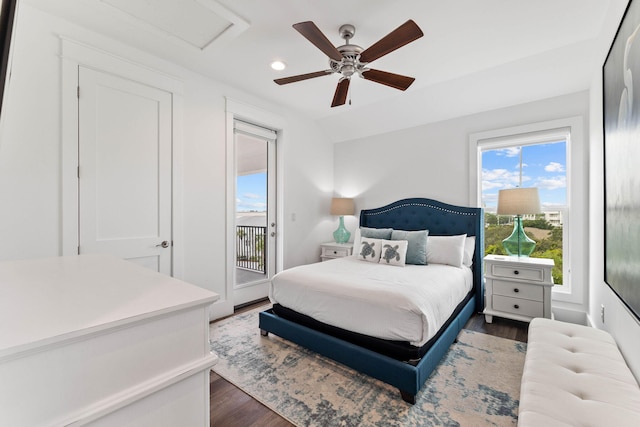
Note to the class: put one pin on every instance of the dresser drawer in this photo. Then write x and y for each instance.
(518, 306)
(518, 290)
(515, 272)
(335, 252)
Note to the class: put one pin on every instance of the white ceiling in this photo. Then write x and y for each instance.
(474, 56)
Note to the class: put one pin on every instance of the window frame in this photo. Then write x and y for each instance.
(574, 289)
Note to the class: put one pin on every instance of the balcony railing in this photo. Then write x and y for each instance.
(250, 250)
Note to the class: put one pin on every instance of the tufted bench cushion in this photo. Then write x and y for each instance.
(575, 376)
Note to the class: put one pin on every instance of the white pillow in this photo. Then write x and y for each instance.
(369, 249)
(469, 249)
(394, 252)
(447, 250)
(356, 242)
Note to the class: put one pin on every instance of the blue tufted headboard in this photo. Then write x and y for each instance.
(441, 219)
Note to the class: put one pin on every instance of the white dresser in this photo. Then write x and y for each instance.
(95, 340)
(517, 288)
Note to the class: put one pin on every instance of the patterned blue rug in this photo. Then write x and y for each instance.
(476, 384)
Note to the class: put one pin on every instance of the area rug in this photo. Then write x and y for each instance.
(476, 384)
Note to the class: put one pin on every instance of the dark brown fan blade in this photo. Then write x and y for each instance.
(299, 77)
(340, 97)
(404, 34)
(312, 33)
(394, 80)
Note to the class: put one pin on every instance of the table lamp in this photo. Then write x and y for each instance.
(342, 206)
(518, 201)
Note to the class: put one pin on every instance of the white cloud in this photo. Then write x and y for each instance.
(489, 199)
(551, 183)
(490, 185)
(253, 196)
(554, 167)
(501, 178)
(500, 175)
(508, 152)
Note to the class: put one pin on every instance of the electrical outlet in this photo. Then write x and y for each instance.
(602, 312)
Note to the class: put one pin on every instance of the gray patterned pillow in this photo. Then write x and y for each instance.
(370, 249)
(394, 252)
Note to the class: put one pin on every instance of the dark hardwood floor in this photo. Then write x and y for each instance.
(231, 407)
(503, 328)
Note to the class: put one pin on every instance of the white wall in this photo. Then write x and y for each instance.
(30, 157)
(624, 327)
(308, 188)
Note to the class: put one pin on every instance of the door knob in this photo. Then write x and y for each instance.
(164, 244)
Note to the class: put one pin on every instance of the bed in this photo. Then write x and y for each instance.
(403, 363)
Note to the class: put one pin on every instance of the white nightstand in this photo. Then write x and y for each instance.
(333, 250)
(517, 288)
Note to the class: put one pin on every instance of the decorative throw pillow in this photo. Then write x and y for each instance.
(447, 250)
(369, 249)
(469, 249)
(417, 247)
(394, 252)
(376, 233)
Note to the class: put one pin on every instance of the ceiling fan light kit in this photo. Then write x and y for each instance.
(350, 59)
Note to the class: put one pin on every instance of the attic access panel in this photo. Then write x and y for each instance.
(198, 23)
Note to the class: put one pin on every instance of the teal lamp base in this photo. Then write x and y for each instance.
(341, 235)
(518, 243)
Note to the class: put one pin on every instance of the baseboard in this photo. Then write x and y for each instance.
(250, 304)
(570, 316)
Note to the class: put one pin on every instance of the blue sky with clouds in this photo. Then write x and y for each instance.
(543, 166)
(251, 192)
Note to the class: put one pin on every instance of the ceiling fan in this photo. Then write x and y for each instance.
(350, 59)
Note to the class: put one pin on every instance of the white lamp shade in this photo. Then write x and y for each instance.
(342, 206)
(518, 201)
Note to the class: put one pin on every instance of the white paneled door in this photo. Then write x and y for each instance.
(125, 145)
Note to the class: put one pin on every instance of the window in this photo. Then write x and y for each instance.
(564, 150)
(542, 165)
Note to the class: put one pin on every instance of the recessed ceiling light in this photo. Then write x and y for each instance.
(278, 65)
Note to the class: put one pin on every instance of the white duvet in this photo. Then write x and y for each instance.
(407, 303)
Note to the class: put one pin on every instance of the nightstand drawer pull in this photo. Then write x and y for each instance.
(516, 290)
(516, 272)
(516, 306)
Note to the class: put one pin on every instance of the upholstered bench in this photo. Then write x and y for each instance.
(575, 376)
